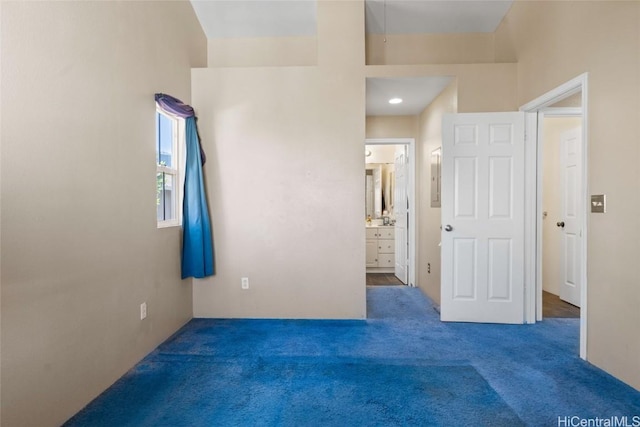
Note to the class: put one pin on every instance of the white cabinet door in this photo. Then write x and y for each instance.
(483, 218)
(372, 253)
(570, 155)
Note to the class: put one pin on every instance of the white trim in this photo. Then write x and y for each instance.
(168, 113)
(182, 166)
(169, 223)
(538, 205)
(540, 104)
(530, 223)
(179, 151)
(165, 169)
(562, 111)
(561, 92)
(411, 142)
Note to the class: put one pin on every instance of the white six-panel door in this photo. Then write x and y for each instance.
(483, 218)
(570, 155)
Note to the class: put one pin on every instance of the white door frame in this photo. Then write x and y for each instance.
(412, 235)
(533, 198)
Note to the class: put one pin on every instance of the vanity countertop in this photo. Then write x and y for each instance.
(379, 226)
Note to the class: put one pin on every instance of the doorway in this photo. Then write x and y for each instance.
(390, 211)
(548, 104)
(511, 291)
(560, 143)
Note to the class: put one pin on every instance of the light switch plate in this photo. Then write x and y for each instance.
(598, 203)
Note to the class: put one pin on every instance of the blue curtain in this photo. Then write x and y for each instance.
(197, 245)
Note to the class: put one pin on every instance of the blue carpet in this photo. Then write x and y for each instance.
(401, 367)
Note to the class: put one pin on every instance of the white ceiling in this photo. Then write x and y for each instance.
(415, 92)
(434, 16)
(282, 18)
(256, 18)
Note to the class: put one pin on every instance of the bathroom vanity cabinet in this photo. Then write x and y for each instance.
(380, 249)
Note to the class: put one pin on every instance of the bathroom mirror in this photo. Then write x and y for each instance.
(379, 179)
(379, 187)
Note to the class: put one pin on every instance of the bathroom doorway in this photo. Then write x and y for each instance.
(390, 211)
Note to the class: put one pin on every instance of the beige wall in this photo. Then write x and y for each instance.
(392, 127)
(262, 52)
(553, 129)
(554, 42)
(285, 152)
(80, 247)
(404, 49)
(573, 101)
(430, 131)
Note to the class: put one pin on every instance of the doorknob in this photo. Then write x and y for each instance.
(448, 227)
(560, 224)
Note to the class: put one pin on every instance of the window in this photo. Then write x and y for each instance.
(169, 131)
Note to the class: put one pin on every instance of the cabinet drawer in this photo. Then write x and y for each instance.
(386, 260)
(372, 233)
(386, 246)
(386, 233)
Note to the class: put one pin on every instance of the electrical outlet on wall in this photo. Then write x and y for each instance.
(143, 310)
(244, 282)
(428, 268)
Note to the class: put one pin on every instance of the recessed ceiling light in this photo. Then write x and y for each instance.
(395, 100)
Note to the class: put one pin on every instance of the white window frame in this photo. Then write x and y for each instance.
(178, 151)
